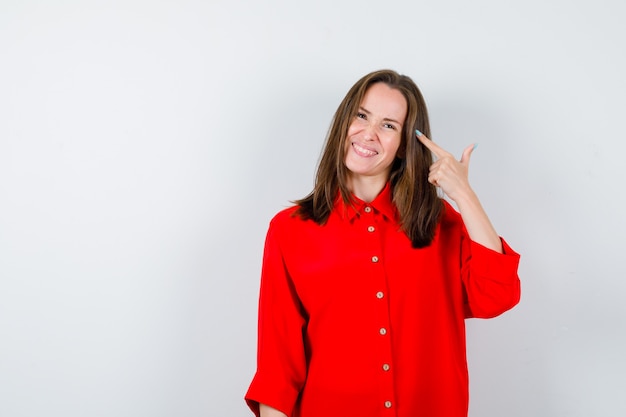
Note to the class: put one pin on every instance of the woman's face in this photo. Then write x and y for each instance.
(375, 134)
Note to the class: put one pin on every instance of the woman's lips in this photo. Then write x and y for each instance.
(361, 151)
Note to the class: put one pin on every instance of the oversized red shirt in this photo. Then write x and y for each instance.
(354, 322)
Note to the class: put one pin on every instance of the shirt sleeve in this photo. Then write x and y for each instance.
(281, 362)
(490, 279)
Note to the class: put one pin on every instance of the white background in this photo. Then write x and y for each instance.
(145, 145)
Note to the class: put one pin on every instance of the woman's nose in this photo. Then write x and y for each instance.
(369, 132)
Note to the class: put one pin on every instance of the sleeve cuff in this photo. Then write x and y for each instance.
(264, 391)
(501, 267)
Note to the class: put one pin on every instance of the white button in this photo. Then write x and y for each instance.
(380, 294)
(387, 404)
(371, 229)
(374, 259)
(386, 367)
(368, 209)
(383, 331)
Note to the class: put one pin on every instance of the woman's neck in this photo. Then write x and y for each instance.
(366, 188)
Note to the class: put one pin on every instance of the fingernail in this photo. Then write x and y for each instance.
(418, 133)
(475, 146)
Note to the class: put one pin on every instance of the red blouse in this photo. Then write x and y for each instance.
(354, 322)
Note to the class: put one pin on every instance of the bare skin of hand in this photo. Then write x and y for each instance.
(451, 175)
(267, 411)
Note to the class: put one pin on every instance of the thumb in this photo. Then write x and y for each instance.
(465, 158)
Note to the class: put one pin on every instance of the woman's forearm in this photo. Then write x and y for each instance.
(477, 223)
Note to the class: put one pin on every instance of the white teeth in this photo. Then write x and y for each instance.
(363, 150)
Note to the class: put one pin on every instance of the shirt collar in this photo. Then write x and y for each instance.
(382, 204)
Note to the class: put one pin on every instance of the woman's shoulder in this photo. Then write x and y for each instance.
(288, 224)
(285, 216)
(286, 213)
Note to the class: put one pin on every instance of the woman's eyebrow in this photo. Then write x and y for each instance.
(387, 119)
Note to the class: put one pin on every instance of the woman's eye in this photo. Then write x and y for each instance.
(361, 116)
(389, 126)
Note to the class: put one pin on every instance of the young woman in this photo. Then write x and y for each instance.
(367, 281)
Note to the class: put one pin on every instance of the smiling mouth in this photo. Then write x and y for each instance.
(361, 151)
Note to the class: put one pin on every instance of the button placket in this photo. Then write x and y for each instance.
(372, 229)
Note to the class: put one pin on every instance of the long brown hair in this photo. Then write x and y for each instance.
(415, 198)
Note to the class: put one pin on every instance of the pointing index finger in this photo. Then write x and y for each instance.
(432, 146)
